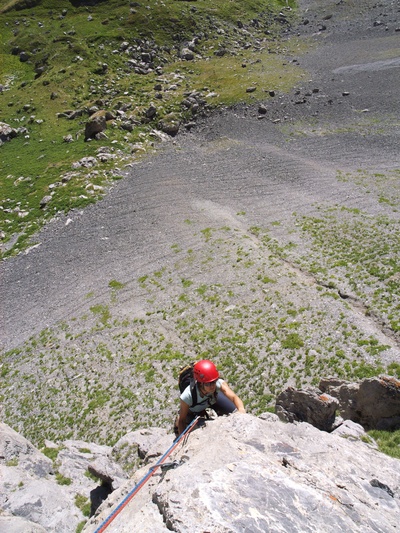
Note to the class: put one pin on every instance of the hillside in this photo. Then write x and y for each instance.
(265, 237)
(143, 68)
(234, 474)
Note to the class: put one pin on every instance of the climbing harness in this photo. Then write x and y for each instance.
(160, 463)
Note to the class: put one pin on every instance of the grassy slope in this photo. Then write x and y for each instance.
(71, 47)
(74, 389)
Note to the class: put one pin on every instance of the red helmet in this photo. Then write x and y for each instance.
(205, 371)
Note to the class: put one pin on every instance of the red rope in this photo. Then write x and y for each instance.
(144, 480)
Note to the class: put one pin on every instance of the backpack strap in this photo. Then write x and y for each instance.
(193, 392)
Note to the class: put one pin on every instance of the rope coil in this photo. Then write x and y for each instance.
(144, 479)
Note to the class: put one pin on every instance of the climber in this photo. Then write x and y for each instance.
(204, 390)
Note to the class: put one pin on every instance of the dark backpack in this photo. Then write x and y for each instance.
(185, 378)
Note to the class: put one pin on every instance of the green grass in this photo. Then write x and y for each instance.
(104, 374)
(83, 503)
(62, 480)
(38, 162)
(388, 442)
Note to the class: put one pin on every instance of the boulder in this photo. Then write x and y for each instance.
(374, 403)
(170, 124)
(351, 430)
(6, 133)
(96, 124)
(143, 443)
(308, 405)
(111, 474)
(187, 54)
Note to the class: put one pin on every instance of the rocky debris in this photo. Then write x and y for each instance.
(187, 54)
(71, 114)
(170, 124)
(95, 125)
(7, 133)
(24, 56)
(85, 162)
(373, 403)
(45, 201)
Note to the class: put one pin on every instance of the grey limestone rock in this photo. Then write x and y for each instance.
(241, 473)
(374, 403)
(310, 405)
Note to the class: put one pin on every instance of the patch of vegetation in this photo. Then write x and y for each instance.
(83, 503)
(60, 60)
(80, 526)
(388, 442)
(103, 312)
(51, 453)
(116, 285)
(63, 480)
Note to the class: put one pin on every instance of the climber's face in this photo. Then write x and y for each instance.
(208, 388)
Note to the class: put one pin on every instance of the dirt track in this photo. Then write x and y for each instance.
(236, 170)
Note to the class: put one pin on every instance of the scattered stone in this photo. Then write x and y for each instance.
(44, 201)
(187, 54)
(220, 52)
(170, 124)
(24, 57)
(7, 133)
(96, 124)
(85, 162)
(151, 112)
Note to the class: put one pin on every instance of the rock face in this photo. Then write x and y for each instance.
(28, 487)
(309, 406)
(33, 496)
(373, 403)
(242, 473)
(233, 474)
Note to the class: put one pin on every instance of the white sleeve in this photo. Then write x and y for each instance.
(186, 396)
